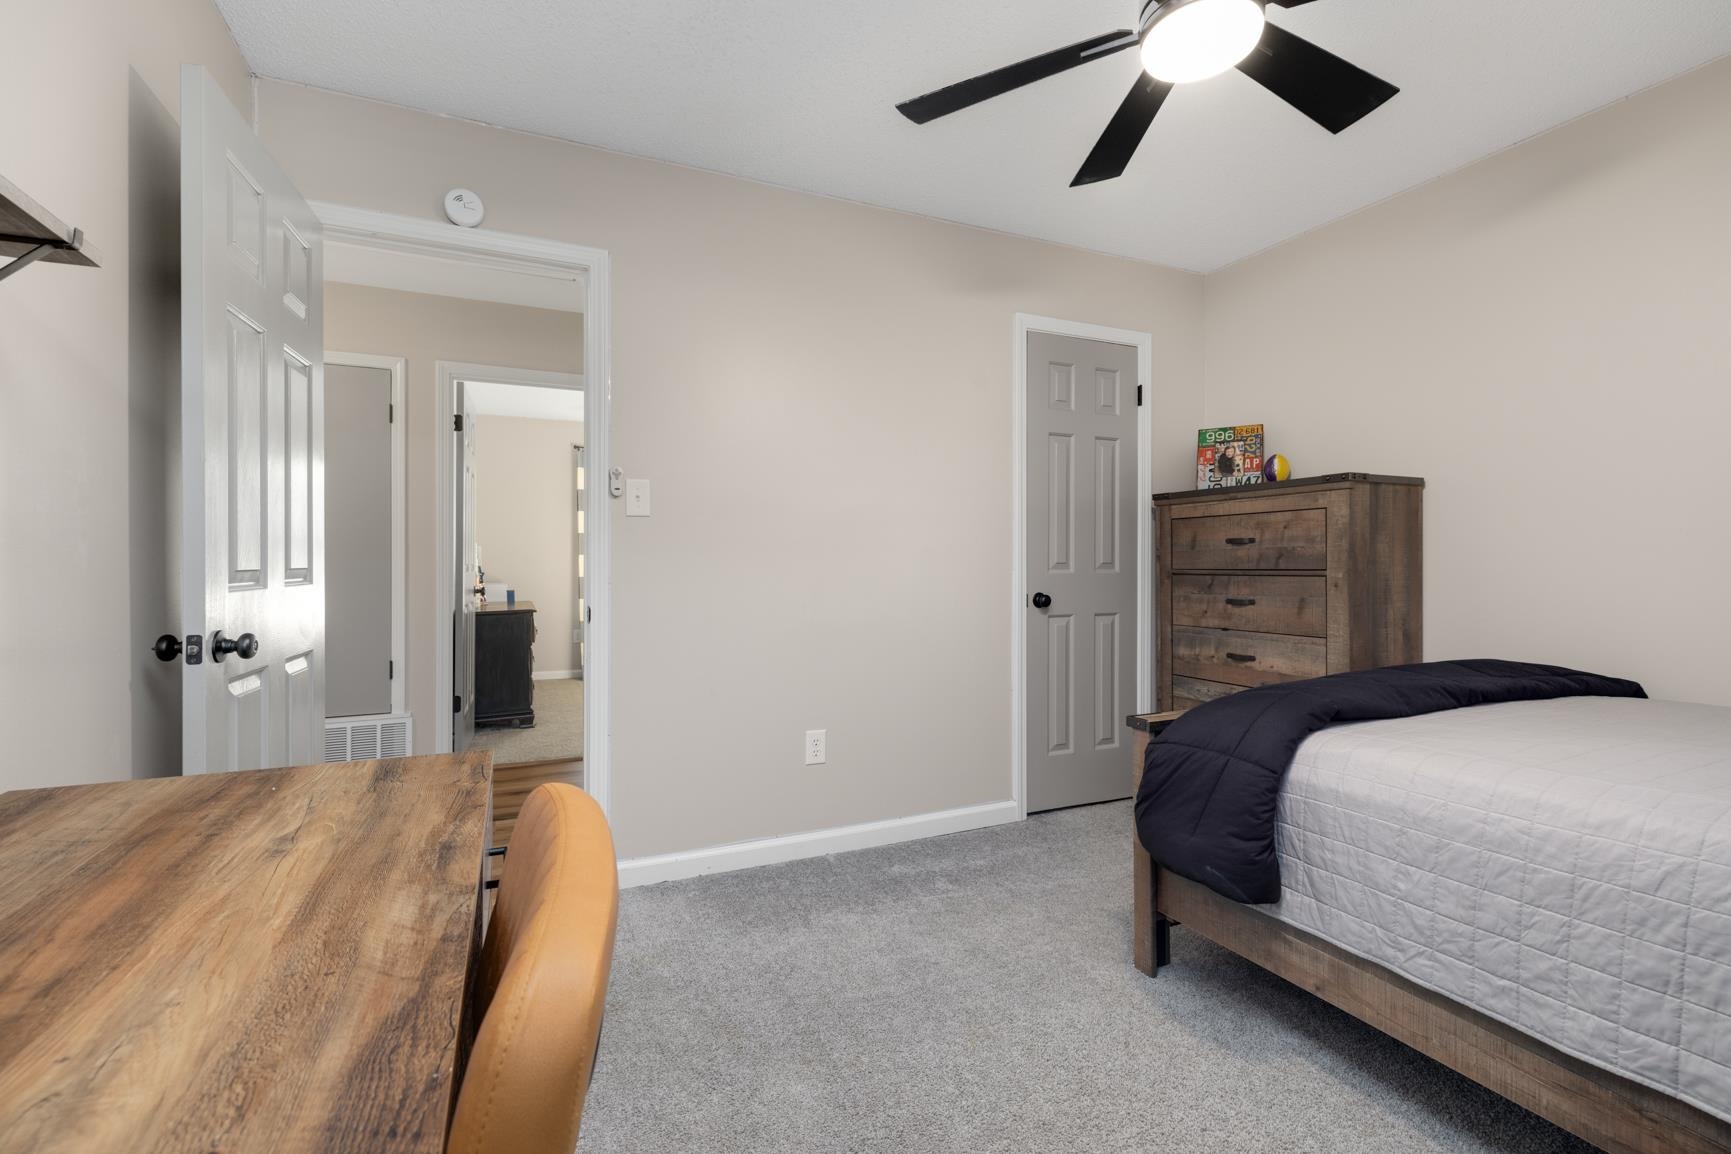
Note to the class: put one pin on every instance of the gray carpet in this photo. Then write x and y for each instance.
(556, 735)
(975, 993)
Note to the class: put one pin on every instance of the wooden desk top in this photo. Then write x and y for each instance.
(239, 962)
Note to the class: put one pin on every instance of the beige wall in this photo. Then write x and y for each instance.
(424, 329)
(89, 375)
(526, 523)
(1546, 338)
(820, 394)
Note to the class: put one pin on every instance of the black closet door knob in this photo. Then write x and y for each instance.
(167, 647)
(1042, 600)
(244, 647)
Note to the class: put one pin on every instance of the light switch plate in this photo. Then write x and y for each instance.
(637, 497)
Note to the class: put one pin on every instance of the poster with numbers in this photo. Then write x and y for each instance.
(1228, 456)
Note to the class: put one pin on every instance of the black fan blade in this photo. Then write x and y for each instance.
(970, 92)
(1288, 3)
(1318, 83)
(1112, 152)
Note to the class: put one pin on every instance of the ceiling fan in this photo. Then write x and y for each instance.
(1184, 41)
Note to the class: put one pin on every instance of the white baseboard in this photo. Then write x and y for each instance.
(644, 871)
(555, 674)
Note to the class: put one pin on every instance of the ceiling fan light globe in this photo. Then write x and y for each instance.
(1192, 41)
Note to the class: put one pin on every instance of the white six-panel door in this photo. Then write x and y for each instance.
(1081, 567)
(252, 432)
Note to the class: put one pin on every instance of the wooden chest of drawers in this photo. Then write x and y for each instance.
(1271, 583)
(505, 664)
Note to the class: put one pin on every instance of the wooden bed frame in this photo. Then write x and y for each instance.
(1612, 1112)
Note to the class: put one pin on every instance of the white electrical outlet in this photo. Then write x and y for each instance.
(816, 746)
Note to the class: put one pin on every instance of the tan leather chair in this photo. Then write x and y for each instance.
(543, 981)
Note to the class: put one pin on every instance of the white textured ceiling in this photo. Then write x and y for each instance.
(801, 93)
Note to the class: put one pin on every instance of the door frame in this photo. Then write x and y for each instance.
(398, 368)
(546, 257)
(1143, 343)
(446, 374)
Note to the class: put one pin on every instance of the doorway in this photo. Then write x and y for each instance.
(366, 595)
(496, 256)
(1081, 589)
(520, 565)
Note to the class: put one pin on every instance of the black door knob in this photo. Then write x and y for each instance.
(244, 647)
(1041, 601)
(167, 647)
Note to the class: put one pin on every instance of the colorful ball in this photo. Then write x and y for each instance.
(1277, 468)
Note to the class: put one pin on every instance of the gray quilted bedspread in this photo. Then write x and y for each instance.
(1562, 866)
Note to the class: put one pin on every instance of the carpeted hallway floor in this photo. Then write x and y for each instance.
(556, 735)
(974, 993)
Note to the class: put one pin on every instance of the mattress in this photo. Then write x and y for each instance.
(1561, 866)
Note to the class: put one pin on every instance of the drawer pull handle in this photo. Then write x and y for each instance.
(1241, 657)
(1241, 540)
(1241, 602)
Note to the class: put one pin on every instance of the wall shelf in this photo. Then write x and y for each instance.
(29, 233)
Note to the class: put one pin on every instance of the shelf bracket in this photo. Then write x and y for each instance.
(42, 249)
(29, 256)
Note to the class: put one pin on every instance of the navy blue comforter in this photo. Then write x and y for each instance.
(1211, 781)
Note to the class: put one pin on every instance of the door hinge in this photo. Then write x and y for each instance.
(392, 675)
(1138, 396)
(390, 412)
(459, 423)
(457, 704)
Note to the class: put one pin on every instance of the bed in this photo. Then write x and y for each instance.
(1536, 894)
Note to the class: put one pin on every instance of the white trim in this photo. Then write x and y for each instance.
(507, 375)
(529, 378)
(1143, 343)
(555, 675)
(398, 368)
(529, 254)
(644, 871)
(503, 251)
